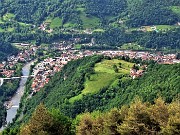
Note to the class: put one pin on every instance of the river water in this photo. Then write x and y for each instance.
(11, 113)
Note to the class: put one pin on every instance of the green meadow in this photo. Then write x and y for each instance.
(56, 22)
(104, 76)
(176, 9)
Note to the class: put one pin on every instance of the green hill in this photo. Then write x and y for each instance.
(93, 13)
(77, 93)
(103, 76)
(113, 23)
(99, 84)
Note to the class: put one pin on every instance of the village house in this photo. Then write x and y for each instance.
(136, 73)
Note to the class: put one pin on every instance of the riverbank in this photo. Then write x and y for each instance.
(15, 100)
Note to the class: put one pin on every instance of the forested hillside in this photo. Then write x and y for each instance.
(159, 80)
(139, 12)
(64, 90)
(85, 91)
(6, 49)
(149, 24)
(145, 12)
(134, 119)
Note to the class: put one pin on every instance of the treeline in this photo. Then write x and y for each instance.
(137, 119)
(70, 83)
(118, 37)
(154, 12)
(159, 80)
(137, 13)
(2, 114)
(6, 49)
(111, 38)
(105, 8)
(132, 13)
(134, 119)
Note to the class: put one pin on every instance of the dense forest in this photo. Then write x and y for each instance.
(117, 37)
(141, 12)
(64, 106)
(159, 80)
(152, 12)
(119, 21)
(6, 49)
(134, 119)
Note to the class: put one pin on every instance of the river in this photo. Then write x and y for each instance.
(15, 100)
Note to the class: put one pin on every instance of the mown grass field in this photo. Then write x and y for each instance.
(176, 9)
(132, 46)
(8, 16)
(104, 76)
(88, 21)
(56, 22)
(165, 27)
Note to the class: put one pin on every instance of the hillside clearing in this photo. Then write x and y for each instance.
(56, 22)
(104, 76)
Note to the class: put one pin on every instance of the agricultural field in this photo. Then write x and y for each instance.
(104, 76)
(176, 9)
(55, 23)
(132, 46)
(166, 27)
(88, 20)
(8, 16)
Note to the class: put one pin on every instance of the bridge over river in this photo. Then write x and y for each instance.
(16, 98)
(11, 78)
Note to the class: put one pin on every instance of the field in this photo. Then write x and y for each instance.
(56, 22)
(104, 76)
(132, 46)
(8, 16)
(88, 21)
(176, 9)
(98, 30)
(165, 27)
(78, 46)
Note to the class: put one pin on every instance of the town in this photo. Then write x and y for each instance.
(7, 68)
(47, 67)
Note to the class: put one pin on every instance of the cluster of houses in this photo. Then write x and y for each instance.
(148, 28)
(7, 67)
(136, 73)
(160, 58)
(49, 66)
(43, 71)
(44, 27)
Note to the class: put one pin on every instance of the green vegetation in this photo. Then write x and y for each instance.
(6, 49)
(176, 9)
(132, 46)
(47, 122)
(90, 21)
(78, 46)
(103, 76)
(137, 118)
(98, 30)
(95, 83)
(56, 23)
(20, 22)
(166, 27)
(7, 90)
(8, 17)
(159, 80)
